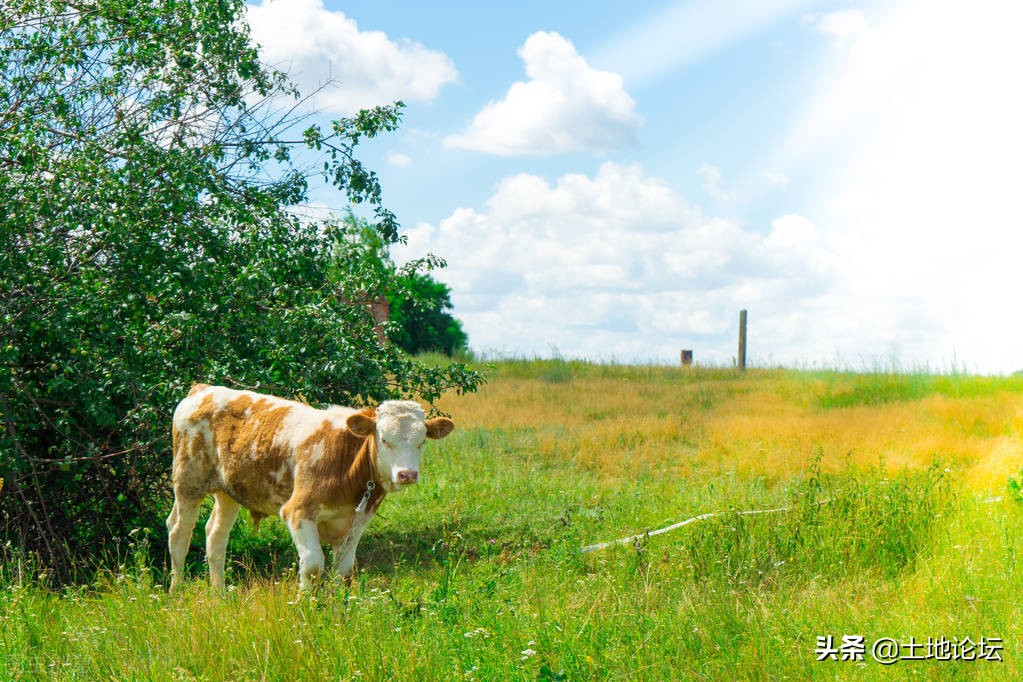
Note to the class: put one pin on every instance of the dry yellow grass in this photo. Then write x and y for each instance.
(763, 423)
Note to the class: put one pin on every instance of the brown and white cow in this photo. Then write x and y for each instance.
(275, 456)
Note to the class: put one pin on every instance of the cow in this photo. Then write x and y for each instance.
(324, 472)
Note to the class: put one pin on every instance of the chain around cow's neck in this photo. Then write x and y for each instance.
(361, 507)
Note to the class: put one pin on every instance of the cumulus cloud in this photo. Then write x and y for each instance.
(617, 265)
(711, 177)
(356, 69)
(842, 26)
(564, 106)
(399, 160)
(776, 179)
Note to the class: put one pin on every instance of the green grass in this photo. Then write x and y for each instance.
(476, 573)
(847, 389)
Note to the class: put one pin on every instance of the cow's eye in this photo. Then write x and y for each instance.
(385, 442)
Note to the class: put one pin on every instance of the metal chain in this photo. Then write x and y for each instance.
(361, 507)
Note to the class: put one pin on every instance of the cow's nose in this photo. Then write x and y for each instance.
(407, 476)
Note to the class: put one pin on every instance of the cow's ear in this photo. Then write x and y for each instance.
(439, 427)
(361, 425)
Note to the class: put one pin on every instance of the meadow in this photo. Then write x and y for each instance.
(891, 539)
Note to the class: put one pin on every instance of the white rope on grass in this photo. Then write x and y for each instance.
(650, 533)
(633, 538)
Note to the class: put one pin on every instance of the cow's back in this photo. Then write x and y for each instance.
(242, 443)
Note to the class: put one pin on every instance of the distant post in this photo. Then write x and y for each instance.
(687, 358)
(742, 340)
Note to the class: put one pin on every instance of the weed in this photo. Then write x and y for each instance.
(1015, 487)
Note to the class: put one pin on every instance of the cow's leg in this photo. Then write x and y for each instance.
(218, 528)
(179, 535)
(310, 554)
(344, 553)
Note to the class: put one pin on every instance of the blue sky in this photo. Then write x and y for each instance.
(615, 181)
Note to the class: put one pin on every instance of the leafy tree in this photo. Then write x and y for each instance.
(146, 173)
(418, 305)
(420, 319)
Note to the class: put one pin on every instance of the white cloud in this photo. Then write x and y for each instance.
(842, 26)
(776, 179)
(360, 69)
(564, 106)
(711, 176)
(795, 237)
(399, 160)
(619, 265)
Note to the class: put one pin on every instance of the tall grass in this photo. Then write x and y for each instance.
(847, 389)
(885, 529)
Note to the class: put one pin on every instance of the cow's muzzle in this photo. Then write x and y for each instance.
(406, 476)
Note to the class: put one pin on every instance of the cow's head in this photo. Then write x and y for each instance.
(399, 429)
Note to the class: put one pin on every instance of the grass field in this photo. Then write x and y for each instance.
(897, 524)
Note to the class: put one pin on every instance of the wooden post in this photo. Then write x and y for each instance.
(687, 358)
(742, 340)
